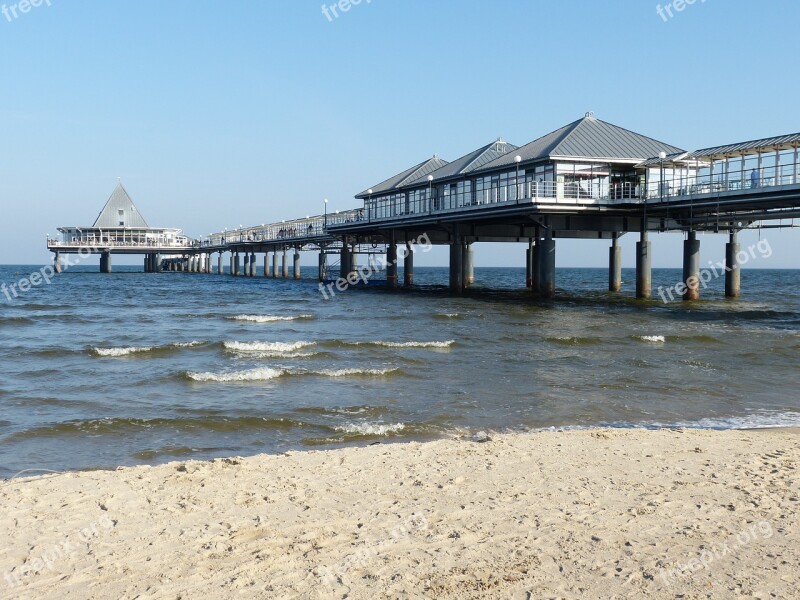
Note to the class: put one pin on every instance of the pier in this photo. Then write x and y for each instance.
(587, 180)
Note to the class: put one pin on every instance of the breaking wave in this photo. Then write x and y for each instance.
(274, 347)
(269, 318)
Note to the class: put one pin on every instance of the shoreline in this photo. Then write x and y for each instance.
(550, 513)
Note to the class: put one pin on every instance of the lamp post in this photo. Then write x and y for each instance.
(662, 156)
(517, 160)
(326, 215)
(369, 205)
(430, 192)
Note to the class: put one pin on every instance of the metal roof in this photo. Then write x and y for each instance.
(781, 142)
(416, 172)
(119, 211)
(587, 138)
(471, 162)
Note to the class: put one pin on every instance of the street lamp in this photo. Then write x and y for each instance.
(369, 205)
(326, 214)
(430, 191)
(662, 155)
(517, 160)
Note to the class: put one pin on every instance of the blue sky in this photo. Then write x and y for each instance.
(218, 114)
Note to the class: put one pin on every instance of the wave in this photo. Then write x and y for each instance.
(128, 351)
(117, 352)
(573, 341)
(448, 316)
(261, 374)
(267, 374)
(383, 344)
(269, 318)
(125, 426)
(278, 347)
(354, 372)
(16, 321)
(371, 429)
(653, 339)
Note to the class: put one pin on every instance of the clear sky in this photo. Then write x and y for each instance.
(216, 114)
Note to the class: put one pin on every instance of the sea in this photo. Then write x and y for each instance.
(100, 371)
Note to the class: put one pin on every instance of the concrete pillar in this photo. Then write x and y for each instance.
(297, 273)
(105, 262)
(158, 268)
(345, 265)
(391, 264)
(536, 266)
(733, 273)
(253, 265)
(468, 277)
(353, 259)
(246, 264)
(323, 266)
(643, 269)
(57, 262)
(615, 266)
(236, 264)
(691, 267)
(547, 283)
(146, 263)
(285, 264)
(275, 268)
(529, 265)
(408, 266)
(457, 266)
(220, 265)
(266, 264)
(232, 266)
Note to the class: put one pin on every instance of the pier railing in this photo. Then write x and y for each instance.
(121, 243)
(590, 191)
(688, 184)
(295, 231)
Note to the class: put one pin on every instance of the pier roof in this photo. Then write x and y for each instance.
(588, 138)
(120, 211)
(423, 169)
(781, 142)
(468, 163)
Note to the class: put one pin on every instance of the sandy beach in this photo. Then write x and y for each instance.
(591, 514)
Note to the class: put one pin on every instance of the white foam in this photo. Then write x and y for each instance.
(354, 372)
(655, 339)
(371, 428)
(269, 318)
(265, 355)
(763, 420)
(275, 347)
(188, 344)
(262, 374)
(446, 344)
(117, 352)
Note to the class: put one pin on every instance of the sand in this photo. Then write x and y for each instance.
(581, 514)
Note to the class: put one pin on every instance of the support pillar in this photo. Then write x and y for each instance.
(266, 264)
(275, 267)
(391, 264)
(285, 264)
(158, 267)
(246, 264)
(345, 265)
(146, 263)
(457, 266)
(408, 266)
(733, 273)
(691, 267)
(232, 269)
(547, 283)
(236, 265)
(643, 269)
(253, 265)
(529, 265)
(323, 265)
(353, 259)
(615, 266)
(297, 273)
(220, 265)
(536, 266)
(57, 262)
(468, 276)
(105, 262)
